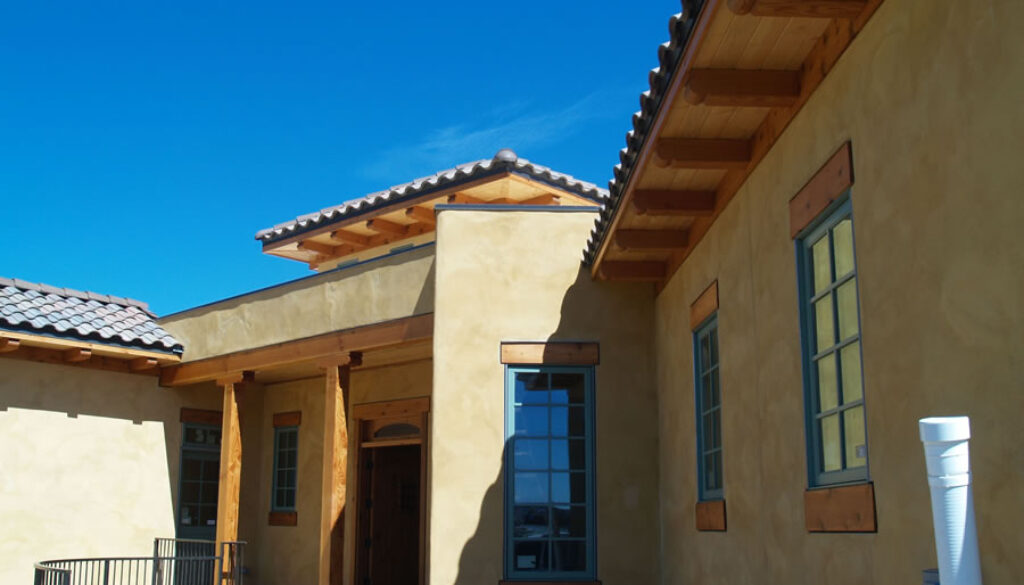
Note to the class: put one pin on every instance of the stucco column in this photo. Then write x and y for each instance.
(335, 465)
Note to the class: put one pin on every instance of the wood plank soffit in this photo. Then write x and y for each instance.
(827, 185)
(704, 305)
(672, 202)
(799, 8)
(384, 226)
(565, 353)
(421, 214)
(652, 239)
(702, 153)
(464, 198)
(350, 238)
(639, 271)
(545, 199)
(742, 88)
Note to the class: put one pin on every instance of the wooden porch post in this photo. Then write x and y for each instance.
(335, 467)
(230, 467)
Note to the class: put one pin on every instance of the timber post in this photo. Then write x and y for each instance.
(230, 470)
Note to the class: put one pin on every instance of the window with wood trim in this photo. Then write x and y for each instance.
(709, 411)
(834, 392)
(286, 467)
(549, 477)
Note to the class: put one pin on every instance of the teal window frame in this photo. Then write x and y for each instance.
(511, 437)
(708, 398)
(813, 353)
(286, 440)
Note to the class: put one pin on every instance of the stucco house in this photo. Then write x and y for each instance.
(710, 372)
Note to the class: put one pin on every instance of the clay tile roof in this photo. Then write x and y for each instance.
(679, 26)
(66, 313)
(504, 161)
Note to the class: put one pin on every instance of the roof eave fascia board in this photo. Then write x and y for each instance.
(99, 348)
(675, 84)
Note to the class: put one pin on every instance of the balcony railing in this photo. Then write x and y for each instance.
(175, 561)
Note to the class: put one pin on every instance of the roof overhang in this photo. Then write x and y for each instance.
(387, 343)
(733, 77)
(72, 352)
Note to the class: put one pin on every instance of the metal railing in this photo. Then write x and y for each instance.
(174, 562)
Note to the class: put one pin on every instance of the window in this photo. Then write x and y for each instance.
(837, 445)
(549, 502)
(709, 411)
(286, 457)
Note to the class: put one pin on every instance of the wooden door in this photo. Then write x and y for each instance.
(389, 544)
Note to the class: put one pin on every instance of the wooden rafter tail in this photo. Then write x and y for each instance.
(742, 88)
(652, 239)
(318, 248)
(640, 271)
(670, 202)
(702, 153)
(355, 240)
(545, 199)
(74, 355)
(799, 8)
(8, 344)
(383, 226)
(141, 364)
(421, 214)
(464, 199)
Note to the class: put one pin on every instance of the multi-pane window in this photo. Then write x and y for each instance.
(549, 502)
(286, 458)
(709, 411)
(200, 478)
(835, 395)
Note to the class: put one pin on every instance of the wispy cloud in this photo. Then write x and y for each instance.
(513, 125)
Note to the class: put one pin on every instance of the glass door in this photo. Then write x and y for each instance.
(200, 479)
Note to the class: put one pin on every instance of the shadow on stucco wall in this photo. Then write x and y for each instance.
(620, 316)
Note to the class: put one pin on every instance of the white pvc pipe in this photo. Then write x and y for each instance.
(949, 476)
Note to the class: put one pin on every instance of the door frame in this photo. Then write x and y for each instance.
(366, 417)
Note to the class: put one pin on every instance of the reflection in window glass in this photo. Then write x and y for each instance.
(709, 411)
(836, 430)
(550, 471)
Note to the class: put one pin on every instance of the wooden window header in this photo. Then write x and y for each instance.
(287, 419)
(553, 353)
(391, 409)
(202, 417)
(849, 508)
(831, 181)
(704, 306)
(711, 516)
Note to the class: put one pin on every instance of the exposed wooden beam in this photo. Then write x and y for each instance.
(641, 271)
(230, 483)
(311, 349)
(383, 226)
(48, 355)
(800, 8)
(421, 214)
(463, 198)
(702, 153)
(652, 239)
(669, 202)
(325, 250)
(77, 354)
(350, 238)
(333, 474)
(742, 88)
(142, 363)
(8, 344)
(28, 340)
(545, 199)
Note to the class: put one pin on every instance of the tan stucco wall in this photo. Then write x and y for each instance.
(387, 288)
(929, 94)
(517, 276)
(89, 465)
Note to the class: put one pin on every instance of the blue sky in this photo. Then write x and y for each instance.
(142, 145)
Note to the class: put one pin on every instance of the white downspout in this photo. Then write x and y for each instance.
(949, 476)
